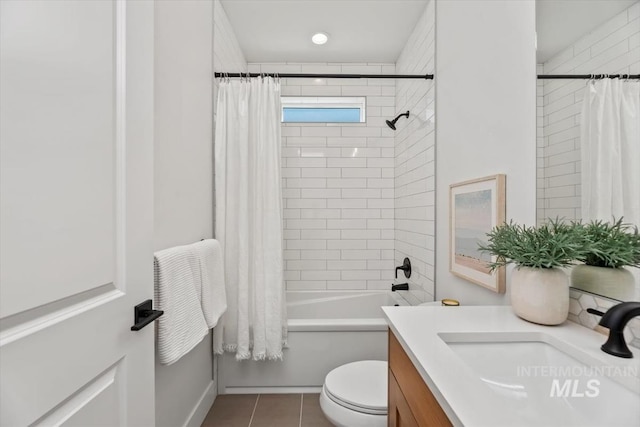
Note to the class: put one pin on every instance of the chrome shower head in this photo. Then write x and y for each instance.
(392, 123)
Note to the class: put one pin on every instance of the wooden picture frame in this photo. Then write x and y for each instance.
(475, 207)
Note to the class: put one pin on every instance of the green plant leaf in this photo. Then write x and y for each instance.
(550, 245)
(611, 244)
(557, 243)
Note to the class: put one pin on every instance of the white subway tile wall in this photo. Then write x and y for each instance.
(227, 55)
(338, 184)
(612, 48)
(414, 162)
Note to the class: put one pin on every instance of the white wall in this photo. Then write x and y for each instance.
(415, 161)
(338, 184)
(612, 48)
(183, 179)
(540, 181)
(486, 112)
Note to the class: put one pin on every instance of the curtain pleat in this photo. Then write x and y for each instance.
(610, 150)
(249, 218)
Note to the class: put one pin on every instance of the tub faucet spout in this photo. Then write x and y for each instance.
(400, 287)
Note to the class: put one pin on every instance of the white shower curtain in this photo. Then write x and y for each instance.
(610, 147)
(249, 218)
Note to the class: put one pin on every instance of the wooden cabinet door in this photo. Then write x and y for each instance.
(399, 413)
(419, 400)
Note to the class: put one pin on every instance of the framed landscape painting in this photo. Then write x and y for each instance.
(476, 207)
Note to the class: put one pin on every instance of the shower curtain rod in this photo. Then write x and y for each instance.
(589, 76)
(329, 76)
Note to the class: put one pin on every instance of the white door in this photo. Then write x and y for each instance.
(76, 137)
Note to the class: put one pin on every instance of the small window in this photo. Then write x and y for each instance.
(323, 109)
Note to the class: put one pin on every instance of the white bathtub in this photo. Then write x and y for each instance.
(326, 329)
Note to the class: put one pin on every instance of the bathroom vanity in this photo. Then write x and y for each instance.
(419, 407)
(478, 366)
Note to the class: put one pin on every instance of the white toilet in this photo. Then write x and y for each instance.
(355, 394)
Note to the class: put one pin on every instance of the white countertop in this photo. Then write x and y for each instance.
(470, 398)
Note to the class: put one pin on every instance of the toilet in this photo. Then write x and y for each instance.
(355, 394)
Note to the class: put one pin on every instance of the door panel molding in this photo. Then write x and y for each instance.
(82, 398)
(28, 322)
(63, 84)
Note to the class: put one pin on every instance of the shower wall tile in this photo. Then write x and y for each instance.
(227, 55)
(611, 48)
(338, 184)
(413, 164)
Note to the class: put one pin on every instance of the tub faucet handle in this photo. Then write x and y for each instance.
(406, 267)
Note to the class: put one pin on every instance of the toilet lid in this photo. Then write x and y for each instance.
(361, 386)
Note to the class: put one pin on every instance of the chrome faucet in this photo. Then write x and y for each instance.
(615, 319)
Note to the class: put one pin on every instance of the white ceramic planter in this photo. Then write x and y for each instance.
(540, 295)
(616, 283)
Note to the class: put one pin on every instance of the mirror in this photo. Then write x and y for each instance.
(579, 37)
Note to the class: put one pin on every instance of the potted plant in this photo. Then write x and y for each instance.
(610, 248)
(539, 286)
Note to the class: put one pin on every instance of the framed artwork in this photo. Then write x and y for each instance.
(475, 207)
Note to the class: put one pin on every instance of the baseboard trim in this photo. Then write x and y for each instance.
(271, 390)
(200, 411)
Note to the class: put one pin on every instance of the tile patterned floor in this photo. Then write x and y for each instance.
(266, 410)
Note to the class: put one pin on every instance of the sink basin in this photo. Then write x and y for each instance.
(536, 371)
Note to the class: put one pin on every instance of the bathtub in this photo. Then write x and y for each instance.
(326, 329)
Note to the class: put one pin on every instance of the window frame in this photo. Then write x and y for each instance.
(328, 102)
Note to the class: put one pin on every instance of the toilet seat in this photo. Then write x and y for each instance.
(355, 394)
(360, 409)
(359, 386)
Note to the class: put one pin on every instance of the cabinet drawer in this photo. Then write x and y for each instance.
(423, 405)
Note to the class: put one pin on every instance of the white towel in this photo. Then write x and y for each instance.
(183, 326)
(213, 296)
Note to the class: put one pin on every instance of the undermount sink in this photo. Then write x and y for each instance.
(535, 370)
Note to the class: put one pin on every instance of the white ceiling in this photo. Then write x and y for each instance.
(560, 23)
(359, 30)
(377, 30)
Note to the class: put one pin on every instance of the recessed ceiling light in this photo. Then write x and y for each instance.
(320, 38)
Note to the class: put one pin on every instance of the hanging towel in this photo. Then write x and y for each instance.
(177, 275)
(213, 298)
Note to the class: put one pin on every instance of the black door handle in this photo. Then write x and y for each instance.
(143, 314)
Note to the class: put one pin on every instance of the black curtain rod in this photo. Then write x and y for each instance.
(329, 76)
(588, 76)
